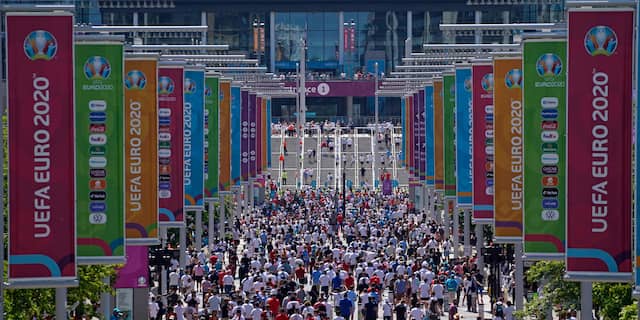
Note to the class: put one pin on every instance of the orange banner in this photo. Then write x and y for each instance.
(508, 175)
(141, 149)
(224, 179)
(438, 134)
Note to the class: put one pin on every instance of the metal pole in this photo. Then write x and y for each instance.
(183, 247)
(375, 67)
(586, 301)
(163, 270)
(203, 21)
(456, 228)
(479, 246)
(2, 107)
(467, 232)
(105, 300)
(303, 106)
(198, 237)
(223, 217)
(519, 274)
(447, 218)
(211, 227)
(61, 303)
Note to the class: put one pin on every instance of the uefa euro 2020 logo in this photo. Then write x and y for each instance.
(467, 84)
(189, 86)
(513, 79)
(165, 85)
(487, 82)
(97, 68)
(40, 45)
(135, 79)
(600, 40)
(549, 65)
(207, 92)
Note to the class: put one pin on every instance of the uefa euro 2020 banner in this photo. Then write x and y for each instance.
(42, 235)
(141, 149)
(482, 81)
(170, 144)
(99, 152)
(438, 135)
(211, 102)
(463, 135)
(224, 180)
(429, 138)
(448, 107)
(544, 96)
(193, 139)
(599, 112)
(508, 171)
(236, 134)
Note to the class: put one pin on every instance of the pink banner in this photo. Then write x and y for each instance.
(599, 144)
(135, 273)
(482, 95)
(170, 143)
(42, 243)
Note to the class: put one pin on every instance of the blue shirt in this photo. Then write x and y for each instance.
(345, 307)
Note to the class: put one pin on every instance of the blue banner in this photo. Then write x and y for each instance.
(463, 136)
(403, 106)
(268, 137)
(430, 150)
(235, 135)
(193, 139)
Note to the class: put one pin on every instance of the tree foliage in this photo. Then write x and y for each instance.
(610, 298)
(629, 312)
(556, 292)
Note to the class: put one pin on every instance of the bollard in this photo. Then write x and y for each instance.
(481, 311)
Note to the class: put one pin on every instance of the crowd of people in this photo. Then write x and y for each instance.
(301, 257)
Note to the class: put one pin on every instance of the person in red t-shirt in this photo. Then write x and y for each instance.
(349, 282)
(274, 304)
(282, 316)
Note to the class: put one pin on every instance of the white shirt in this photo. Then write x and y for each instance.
(416, 314)
(214, 303)
(438, 289)
(153, 309)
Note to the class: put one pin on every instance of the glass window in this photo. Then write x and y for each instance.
(331, 21)
(315, 21)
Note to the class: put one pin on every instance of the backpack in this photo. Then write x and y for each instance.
(499, 310)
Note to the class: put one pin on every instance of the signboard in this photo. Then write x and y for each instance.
(419, 98)
(236, 135)
(599, 105)
(463, 136)
(170, 144)
(99, 99)
(224, 181)
(251, 114)
(193, 139)
(405, 131)
(141, 149)
(438, 134)
(483, 143)
(448, 107)
(544, 95)
(429, 136)
(212, 151)
(42, 231)
(244, 122)
(508, 171)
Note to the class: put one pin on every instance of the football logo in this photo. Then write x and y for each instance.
(548, 65)
(487, 82)
(97, 68)
(165, 85)
(40, 45)
(600, 40)
(207, 92)
(513, 79)
(189, 86)
(135, 79)
(467, 84)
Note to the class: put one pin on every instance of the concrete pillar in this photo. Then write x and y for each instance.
(409, 44)
(211, 225)
(478, 35)
(223, 217)
(456, 227)
(183, 247)
(203, 22)
(505, 19)
(349, 108)
(479, 246)
(61, 303)
(467, 232)
(341, 39)
(272, 41)
(586, 301)
(519, 274)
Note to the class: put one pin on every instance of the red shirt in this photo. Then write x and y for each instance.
(282, 316)
(274, 305)
(349, 282)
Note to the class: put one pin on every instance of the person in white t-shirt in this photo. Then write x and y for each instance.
(416, 313)
(153, 309)
(214, 304)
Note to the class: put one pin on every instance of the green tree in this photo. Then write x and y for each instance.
(629, 312)
(610, 298)
(556, 292)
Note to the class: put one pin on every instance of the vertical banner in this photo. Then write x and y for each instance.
(507, 99)
(448, 107)
(403, 118)
(268, 137)
(259, 135)
(429, 137)
(99, 167)
(544, 96)
(463, 136)
(637, 149)
(42, 234)
(599, 105)
(170, 144)
(212, 151)
(264, 133)
(482, 145)
(193, 139)
(438, 135)
(135, 273)
(252, 135)
(141, 149)
(224, 181)
(244, 122)
(412, 134)
(421, 130)
(236, 135)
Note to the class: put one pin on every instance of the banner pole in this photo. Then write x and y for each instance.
(223, 217)
(519, 274)
(2, 107)
(106, 299)
(211, 227)
(198, 237)
(456, 228)
(447, 218)
(479, 247)
(183, 246)
(586, 300)
(467, 232)
(61, 303)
